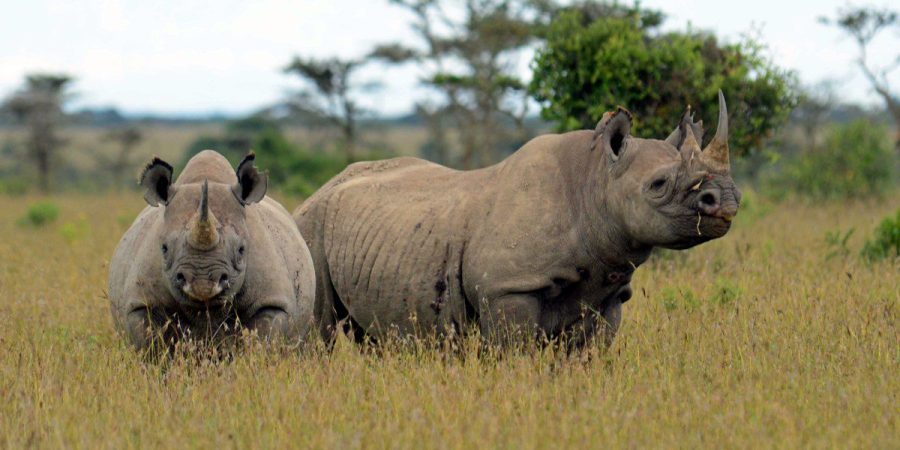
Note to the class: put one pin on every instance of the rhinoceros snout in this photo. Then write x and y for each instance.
(204, 288)
(711, 203)
(708, 201)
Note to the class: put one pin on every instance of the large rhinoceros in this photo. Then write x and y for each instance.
(545, 241)
(217, 252)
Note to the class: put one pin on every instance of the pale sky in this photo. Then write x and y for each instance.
(192, 57)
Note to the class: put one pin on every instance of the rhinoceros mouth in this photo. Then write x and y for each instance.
(219, 301)
(202, 290)
(714, 225)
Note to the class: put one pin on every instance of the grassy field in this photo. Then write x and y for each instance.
(754, 340)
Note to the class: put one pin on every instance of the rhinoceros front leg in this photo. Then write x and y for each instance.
(600, 321)
(271, 323)
(146, 327)
(510, 318)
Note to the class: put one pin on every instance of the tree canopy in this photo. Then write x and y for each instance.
(864, 24)
(469, 60)
(589, 64)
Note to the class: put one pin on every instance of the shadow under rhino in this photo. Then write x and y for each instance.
(543, 243)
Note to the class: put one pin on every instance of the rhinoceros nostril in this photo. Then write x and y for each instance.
(223, 280)
(709, 200)
(179, 278)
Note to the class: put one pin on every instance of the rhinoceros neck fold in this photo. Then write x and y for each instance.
(607, 243)
(605, 239)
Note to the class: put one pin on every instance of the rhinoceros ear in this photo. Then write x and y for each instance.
(157, 180)
(252, 184)
(611, 132)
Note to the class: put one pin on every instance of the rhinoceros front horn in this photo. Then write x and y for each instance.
(203, 234)
(715, 155)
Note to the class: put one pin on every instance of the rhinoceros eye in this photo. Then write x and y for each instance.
(165, 249)
(241, 250)
(658, 184)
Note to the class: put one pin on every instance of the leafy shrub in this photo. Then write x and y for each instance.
(292, 169)
(295, 170)
(669, 299)
(75, 231)
(40, 214)
(13, 186)
(836, 241)
(855, 161)
(726, 292)
(673, 298)
(587, 67)
(885, 241)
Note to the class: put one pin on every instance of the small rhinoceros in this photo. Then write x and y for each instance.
(545, 241)
(216, 252)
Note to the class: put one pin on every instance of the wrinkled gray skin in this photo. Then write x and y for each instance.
(178, 271)
(544, 242)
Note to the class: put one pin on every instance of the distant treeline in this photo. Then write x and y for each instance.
(589, 58)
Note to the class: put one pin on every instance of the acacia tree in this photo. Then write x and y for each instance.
(590, 64)
(39, 106)
(331, 96)
(863, 24)
(470, 62)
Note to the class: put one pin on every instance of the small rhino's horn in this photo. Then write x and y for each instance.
(676, 137)
(203, 234)
(715, 155)
(689, 145)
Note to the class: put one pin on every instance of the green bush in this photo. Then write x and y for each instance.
(855, 161)
(75, 231)
(885, 241)
(292, 169)
(13, 186)
(726, 292)
(40, 214)
(295, 170)
(587, 67)
(836, 241)
(674, 298)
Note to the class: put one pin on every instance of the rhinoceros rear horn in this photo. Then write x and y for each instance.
(203, 234)
(157, 180)
(252, 184)
(715, 155)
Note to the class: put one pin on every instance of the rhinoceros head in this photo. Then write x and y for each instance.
(668, 193)
(203, 238)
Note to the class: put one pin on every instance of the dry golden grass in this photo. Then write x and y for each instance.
(754, 340)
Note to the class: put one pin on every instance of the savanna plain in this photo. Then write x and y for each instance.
(768, 337)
